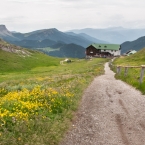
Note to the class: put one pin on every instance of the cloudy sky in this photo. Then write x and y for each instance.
(30, 15)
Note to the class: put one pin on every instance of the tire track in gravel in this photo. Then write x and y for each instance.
(111, 113)
(120, 126)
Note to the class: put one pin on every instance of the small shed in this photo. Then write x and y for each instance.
(103, 50)
(131, 52)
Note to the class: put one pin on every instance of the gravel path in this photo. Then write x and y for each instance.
(111, 113)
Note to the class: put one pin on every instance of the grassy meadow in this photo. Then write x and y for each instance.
(133, 74)
(38, 101)
(12, 62)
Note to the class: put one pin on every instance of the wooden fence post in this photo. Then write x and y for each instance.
(126, 71)
(110, 64)
(142, 73)
(118, 69)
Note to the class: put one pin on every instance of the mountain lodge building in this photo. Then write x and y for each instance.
(103, 50)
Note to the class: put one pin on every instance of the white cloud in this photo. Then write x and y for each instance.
(28, 15)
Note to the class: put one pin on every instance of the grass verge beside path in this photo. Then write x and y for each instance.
(36, 107)
(133, 74)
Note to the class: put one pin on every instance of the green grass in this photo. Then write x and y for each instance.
(133, 75)
(136, 59)
(11, 62)
(49, 122)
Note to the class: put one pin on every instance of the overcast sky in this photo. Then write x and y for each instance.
(30, 15)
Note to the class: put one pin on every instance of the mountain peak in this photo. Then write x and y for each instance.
(6, 34)
(51, 30)
(4, 31)
(3, 28)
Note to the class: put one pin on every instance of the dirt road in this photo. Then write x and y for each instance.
(111, 113)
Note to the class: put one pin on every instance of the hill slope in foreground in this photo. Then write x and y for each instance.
(134, 59)
(14, 58)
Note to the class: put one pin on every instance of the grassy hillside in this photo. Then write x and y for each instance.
(14, 59)
(133, 74)
(13, 62)
(135, 59)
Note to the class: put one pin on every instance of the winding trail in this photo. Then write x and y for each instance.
(111, 113)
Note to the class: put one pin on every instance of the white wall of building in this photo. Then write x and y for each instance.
(113, 52)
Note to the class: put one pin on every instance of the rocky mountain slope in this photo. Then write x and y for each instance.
(13, 49)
